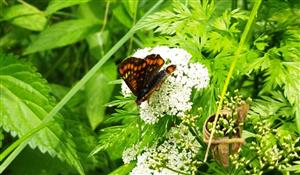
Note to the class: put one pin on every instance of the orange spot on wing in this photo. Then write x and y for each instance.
(170, 69)
(160, 61)
(121, 70)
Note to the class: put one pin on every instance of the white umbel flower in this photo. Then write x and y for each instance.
(130, 154)
(173, 97)
(176, 152)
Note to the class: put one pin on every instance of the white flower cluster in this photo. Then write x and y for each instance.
(173, 97)
(130, 154)
(177, 152)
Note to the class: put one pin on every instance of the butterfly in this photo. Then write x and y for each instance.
(143, 76)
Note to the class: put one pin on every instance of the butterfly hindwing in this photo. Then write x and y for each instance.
(154, 64)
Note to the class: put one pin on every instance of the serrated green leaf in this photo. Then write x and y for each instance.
(62, 34)
(26, 16)
(24, 101)
(98, 93)
(56, 5)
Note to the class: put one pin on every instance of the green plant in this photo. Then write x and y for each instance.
(60, 92)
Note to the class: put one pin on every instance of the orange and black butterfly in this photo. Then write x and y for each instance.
(143, 76)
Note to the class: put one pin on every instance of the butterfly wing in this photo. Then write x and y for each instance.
(142, 76)
(154, 64)
(133, 71)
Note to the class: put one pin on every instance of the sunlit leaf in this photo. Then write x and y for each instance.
(62, 34)
(55, 5)
(26, 16)
(98, 92)
(25, 101)
(124, 169)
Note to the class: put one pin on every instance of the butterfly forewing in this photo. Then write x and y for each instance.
(133, 71)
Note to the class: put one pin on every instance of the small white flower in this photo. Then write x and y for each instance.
(173, 97)
(176, 156)
(130, 154)
(125, 90)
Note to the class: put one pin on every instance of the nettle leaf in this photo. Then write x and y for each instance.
(25, 101)
(56, 5)
(98, 93)
(62, 34)
(25, 16)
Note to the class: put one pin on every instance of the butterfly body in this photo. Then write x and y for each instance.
(143, 76)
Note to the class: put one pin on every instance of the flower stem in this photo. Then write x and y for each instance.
(230, 72)
(176, 171)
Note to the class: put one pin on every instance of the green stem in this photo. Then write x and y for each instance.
(176, 171)
(19, 141)
(236, 55)
(12, 156)
(133, 23)
(105, 16)
(70, 94)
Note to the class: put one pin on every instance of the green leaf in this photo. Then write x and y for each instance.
(1, 137)
(75, 104)
(98, 42)
(98, 92)
(33, 162)
(295, 167)
(131, 7)
(85, 140)
(25, 16)
(56, 5)
(124, 169)
(62, 34)
(25, 100)
(122, 16)
(115, 139)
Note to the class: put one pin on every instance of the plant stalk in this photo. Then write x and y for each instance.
(236, 55)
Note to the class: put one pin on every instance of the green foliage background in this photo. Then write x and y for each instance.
(59, 114)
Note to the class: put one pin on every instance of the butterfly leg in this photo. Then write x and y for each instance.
(158, 87)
